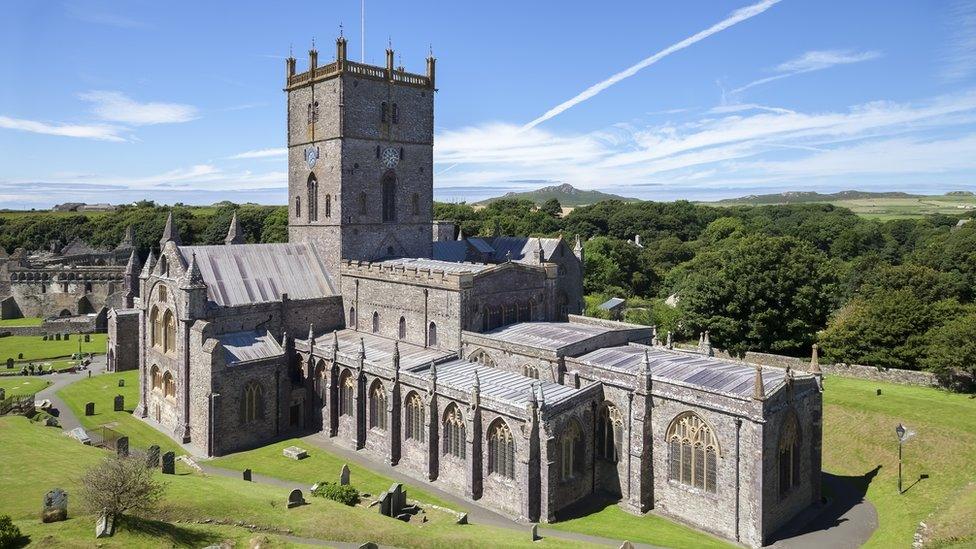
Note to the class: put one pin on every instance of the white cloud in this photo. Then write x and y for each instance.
(87, 131)
(960, 55)
(115, 106)
(260, 153)
(809, 62)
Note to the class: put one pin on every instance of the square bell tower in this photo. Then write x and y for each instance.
(360, 158)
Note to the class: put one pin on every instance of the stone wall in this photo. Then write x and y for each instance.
(890, 375)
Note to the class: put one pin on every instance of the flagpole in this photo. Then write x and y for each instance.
(362, 31)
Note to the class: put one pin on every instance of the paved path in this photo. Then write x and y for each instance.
(846, 522)
(60, 380)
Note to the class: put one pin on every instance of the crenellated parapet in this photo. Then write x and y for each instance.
(400, 273)
(342, 65)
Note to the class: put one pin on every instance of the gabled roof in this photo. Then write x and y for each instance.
(546, 335)
(79, 247)
(260, 273)
(437, 265)
(450, 250)
(611, 303)
(523, 247)
(249, 345)
(379, 350)
(495, 383)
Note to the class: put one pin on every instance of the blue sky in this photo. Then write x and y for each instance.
(700, 99)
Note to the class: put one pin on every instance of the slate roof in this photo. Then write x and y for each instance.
(611, 303)
(379, 350)
(700, 371)
(546, 335)
(495, 383)
(249, 345)
(437, 265)
(259, 273)
(79, 247)
(497, 248)
(523, 247)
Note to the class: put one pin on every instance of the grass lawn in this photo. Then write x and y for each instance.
(6, 322)
(47, 459)
(859, 437)
(101, 389)
(35, 348)
(20, 385)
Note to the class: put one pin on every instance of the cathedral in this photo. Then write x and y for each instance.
(463, 362)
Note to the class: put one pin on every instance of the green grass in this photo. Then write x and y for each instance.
(101, 389)
(859, 436)
(21, 322)
(35, 348)
(21, 385)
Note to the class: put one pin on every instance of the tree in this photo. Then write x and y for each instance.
(951, 351)
(119, 485)
(551, 207)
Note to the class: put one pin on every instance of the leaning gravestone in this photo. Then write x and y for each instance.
(152, 457)
(122, 447)
(246, 475)
(105, 526)
(295, 498)
(344, 475)
(79, 434)
(386, 500)
(626, 545)
(55, 506)
(169, 463)
(121, 383)
(535, 532)
(90, 409)
(119, 403)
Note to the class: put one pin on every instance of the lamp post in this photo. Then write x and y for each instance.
(900, 431)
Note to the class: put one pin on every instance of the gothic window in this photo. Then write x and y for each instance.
(162, 293)
(298, 206)
(163, 266)
(169, 385)
(609, 433)
(415, 202)
(562, 305)
(383, 109)
(485, 319)
(396, 114)
(571, 451)
(481, 357)
(252, 403)
(155, 328)
(530, 371)
(157, 380)
(43, 288)
(352, 317)
(501, 450)
(414, 428)
(402, 329)
(789, 455)
(389, 198)
(432, 335)
(377, 406)
(313, 198)
(693, 450)
(454, 432)
(347, 390)
(169, 331)
(328, 205)
(362, 203)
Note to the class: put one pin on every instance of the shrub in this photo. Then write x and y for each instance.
(343, 494)
(9, 533)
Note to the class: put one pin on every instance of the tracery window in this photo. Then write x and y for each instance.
(414, 428)
(530, 371)
(313, 198)
(155, 328)
(377, 406)
(169, 331)
(693, 450)
(501, 450)
(157, 380)
(571, 451)
(454, 432)
(298, 206)
(328, 205)
(362, 203)
(169, 385)
(162, 293)
(252, 403)
(347, 392)
(789, 455)
(609, 433)
(481, 357)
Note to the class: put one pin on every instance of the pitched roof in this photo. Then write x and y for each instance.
(495, 383)
(523, 247)
(78, 247)
(249, 345)
(450, 250)
(611, 303)
(437, 265)
(379, 350)
(260, 273)
(546, 335)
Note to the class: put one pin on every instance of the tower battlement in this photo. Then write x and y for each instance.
(342, 64)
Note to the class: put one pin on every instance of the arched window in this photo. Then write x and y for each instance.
(298, 206)
(402, 330)
(789, 455)
(169, 331)
(454, 432)
(155, 328)
(496, 318)
(481, 357)
(252, 402)
(415, 203)
(169, 385)
(389, 198)
(432, 335)
(347, 392)
(362, 203)
(352, 317)
(530, 371)
(157, 381)
(609, 433)
(511, 314)
(571, 451)
(693, 451)
(163, 266)
(162, 293)
(376, 322)
(313, 198)
(414, 424)
(501, 450)
(383, 110)
(328, 205)
(523, 312)
(377, 406)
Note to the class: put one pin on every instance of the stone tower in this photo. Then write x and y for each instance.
(360, 156)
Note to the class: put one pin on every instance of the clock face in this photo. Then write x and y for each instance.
(390, 157)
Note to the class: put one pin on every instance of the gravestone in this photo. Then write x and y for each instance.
(152, 457)
(105, 526)
(87, 338)
(121, 383)
(535, 532)
(119, 403)
(294, 452)
(295, 498)
(879, 392)
(122, 447)
(79, 434)
(44, 337)
(90, 409)
(169, 463)
(3, 393)
(344, 475)
(10, 362)
(385, 503)
(20, 356)
(55, 506)
(67, 337)
(57, 337)
(369, 545)
(247, 475)
(462, 519)
(626, 545)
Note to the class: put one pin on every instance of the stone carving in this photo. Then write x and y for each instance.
(247, 475)
(90, 409)
(122, 447)
(119, 403)
(169, 463)
(295, 498)
(152, 457)
(344, 475)
(55, 506)
(294, 452)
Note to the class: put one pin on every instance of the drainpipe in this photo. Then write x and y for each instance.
(738, 428)
(630, 436)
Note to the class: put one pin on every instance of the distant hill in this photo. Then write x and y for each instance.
(799, 197)
(566, 194)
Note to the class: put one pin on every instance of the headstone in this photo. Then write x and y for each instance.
(20, 356)
(369, 545)
(55, 506)
(247, 475)
(344, 475)
(386, 499)
(295, 498)
(67, 337)
(10, 362)
(105, 526)
(3, 393)
(121, 383)
(90, 409)
(169, 463)
(44, 337)
(462, 519)
(79, 434)
(122, 447)
(152, 457)
(119, 403)
(879, 392)
(87, 338)
(57, 337)
(294, 452)
(535, 532)
(626, 545)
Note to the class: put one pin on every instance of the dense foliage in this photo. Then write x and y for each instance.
(9, 533)
(344, 494)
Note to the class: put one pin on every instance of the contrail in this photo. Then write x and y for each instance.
(737, 16)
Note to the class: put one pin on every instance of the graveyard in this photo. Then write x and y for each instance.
(36, 348)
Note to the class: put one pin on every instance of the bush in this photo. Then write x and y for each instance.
(343, 494)
(9, 533)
